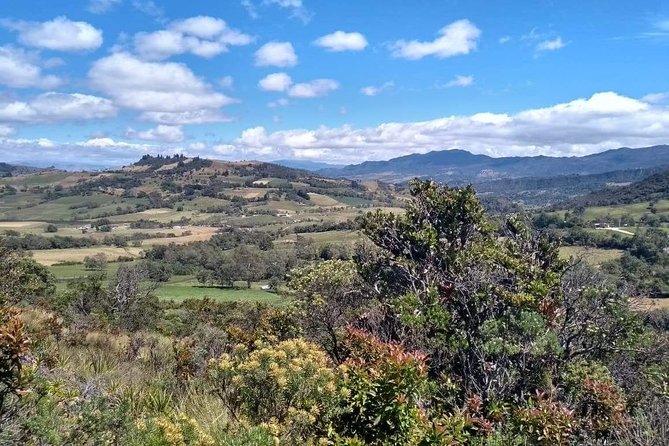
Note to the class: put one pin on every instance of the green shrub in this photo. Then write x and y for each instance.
(383, 388)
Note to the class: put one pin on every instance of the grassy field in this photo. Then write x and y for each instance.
(50, 257)
(178, 288)
(594, 256)
(635, 210)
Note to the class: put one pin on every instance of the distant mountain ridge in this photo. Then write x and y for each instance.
(460, 167)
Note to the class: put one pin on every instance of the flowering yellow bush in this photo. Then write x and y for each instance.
(289, 388)
(177, 431)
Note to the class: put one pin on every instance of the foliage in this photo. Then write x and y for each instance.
(329, 294)
(383, 388)
(290, 387)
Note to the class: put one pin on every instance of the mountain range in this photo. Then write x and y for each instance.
(460, 166)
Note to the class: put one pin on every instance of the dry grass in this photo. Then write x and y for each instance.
(50, 257)
(17, 225)
(323, 200)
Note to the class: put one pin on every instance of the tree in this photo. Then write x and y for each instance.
(130, 301)
(498, 313)
(249, 264)
(330, 295)
(97, 261)
(22, 278)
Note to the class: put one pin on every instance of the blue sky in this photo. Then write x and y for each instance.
(99, 82)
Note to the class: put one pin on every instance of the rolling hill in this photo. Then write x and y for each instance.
(652, 188)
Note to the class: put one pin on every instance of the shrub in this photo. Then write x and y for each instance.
(384, 387)
(546, 422)
(289, 388)
(13, 354)
(169, 431)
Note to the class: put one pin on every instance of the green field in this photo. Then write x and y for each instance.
(178, 288)
(635, 210)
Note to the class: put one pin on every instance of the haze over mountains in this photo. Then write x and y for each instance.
(460, 166)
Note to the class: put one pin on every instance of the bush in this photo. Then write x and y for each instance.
(290, 388)
(383, 387)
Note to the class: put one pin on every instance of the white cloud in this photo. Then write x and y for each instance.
(158, 87)
(313, 89)
(19, 69)
(150, 8)
(456, 39)
(6, 130)
(59, 34)
(372, 90)
(202, 36)
(205, 116)
(656, 98)
(55, 107)
(342, 41)
(102, 6)
(250, 9)
(461, 81)
(298, 11)
(504, 39)
(551, 45)
(603, 121)
(276, 54)
(162, 133)
(275, 82)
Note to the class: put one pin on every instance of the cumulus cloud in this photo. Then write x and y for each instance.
(162, 133)
(313, 89)
(168, 90)
(457, 38)
(20, 69)
(605, 120)
(276, 54)
(275, 82)
(551, 44)
(202, 36)
(504, 39)
(461, 81)
(372, 90)
(59, 34)
(55, 107)
(102, 6)
(342, 41)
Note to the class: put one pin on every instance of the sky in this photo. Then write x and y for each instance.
(99, 83)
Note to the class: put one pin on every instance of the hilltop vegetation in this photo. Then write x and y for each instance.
(652, 188)
(445, 327)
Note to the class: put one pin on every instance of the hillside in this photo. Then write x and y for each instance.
(652, 188)
(179, 188)
(540, 192)
(10, 170)
(459, 166)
